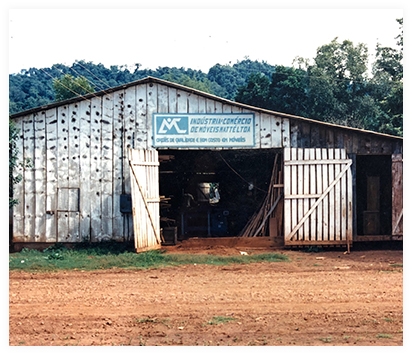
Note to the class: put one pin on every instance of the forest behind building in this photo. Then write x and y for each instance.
(341, 85)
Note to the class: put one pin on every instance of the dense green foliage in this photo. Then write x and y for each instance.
(35, 87)
(14, 162)
(337, 86)
(118, 255)
(68, 86)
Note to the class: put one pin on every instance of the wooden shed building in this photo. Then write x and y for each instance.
(154, 160)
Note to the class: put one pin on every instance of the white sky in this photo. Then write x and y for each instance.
(190, 38)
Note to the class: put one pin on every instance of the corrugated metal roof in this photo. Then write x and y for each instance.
(151, 79)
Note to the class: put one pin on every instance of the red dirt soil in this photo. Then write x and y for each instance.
(323, 298)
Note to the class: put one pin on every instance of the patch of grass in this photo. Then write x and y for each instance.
(384, 336)
(387, 319)
(396, 265)
(220, 319)
(107, 256)
(142, 341)
(326, 339)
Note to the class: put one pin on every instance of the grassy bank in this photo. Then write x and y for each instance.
(107, 256)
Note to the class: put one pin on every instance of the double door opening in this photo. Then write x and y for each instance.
(215, 193)
(212, 193)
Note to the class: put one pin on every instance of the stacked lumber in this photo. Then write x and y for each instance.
(259, 223)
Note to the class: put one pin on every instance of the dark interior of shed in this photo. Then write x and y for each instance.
(373, 194)
(212, 193)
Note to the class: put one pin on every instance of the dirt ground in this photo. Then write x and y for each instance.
(317, 298)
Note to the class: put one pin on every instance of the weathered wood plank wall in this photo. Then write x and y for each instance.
(305, 134)
(79, 156)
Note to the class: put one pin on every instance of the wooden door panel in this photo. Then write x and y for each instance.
(144, 176)
(318, 196)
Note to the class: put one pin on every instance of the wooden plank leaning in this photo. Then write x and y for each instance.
(268, 214)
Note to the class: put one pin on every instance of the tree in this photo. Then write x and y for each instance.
(387, 86)
(287, 91)
(255, 92)
(189, 79)
(336, 83)
(68, 86)
(14, 162)
(231, 78)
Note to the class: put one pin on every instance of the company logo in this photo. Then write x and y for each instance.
(169, 125)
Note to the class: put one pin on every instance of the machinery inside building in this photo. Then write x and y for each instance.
(211, 193)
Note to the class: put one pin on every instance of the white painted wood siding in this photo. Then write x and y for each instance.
(83, 145)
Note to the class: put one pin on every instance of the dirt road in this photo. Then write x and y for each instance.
(326, 298)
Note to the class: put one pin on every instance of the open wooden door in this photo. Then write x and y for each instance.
(144, 175)
(397, 195)
(318, 197)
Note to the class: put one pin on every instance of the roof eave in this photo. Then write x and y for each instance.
(150, 79)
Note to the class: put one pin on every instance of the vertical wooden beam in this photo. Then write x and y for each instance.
(40, 176)
(172, 100)
(352, 207)
(258, 119)
(162, 99)
(294, 131)
(325, 202)
(96, 169)
(107, 178)
(62, 170)
(287, 192)
(85, 172)
(73, 138)
(193, 103)
(265, 131)
(151, 108)
(119, 227)
(344, 201)
(143, 119)
(351, 204)
(51, 175)
(338, 197)
(182, 101)
(210, 106)
(332, 193)
(319, 190)
(202, 104)
(397, 194)
(293, 189)
(306, 190)
(285, 127)
(300, 234)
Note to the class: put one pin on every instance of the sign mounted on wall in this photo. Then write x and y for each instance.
(203, 130)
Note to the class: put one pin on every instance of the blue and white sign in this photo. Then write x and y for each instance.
(202, 130)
